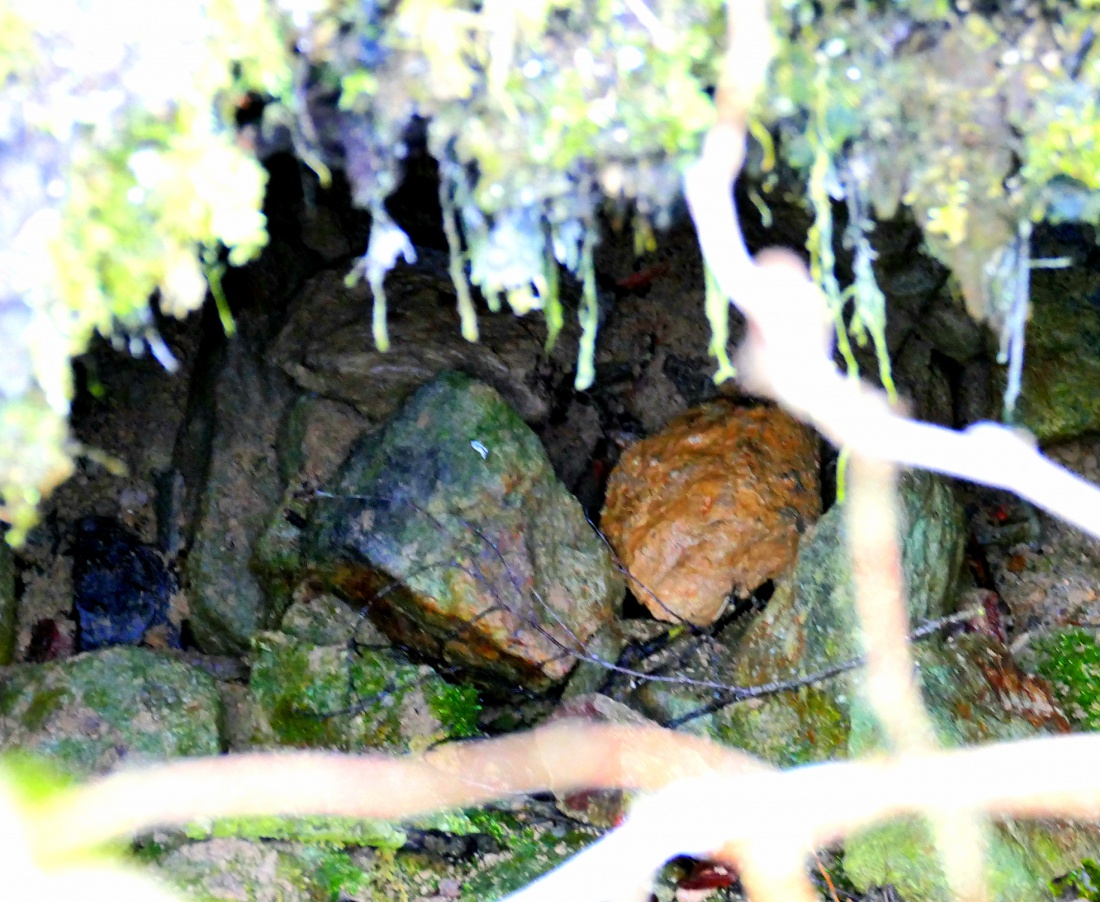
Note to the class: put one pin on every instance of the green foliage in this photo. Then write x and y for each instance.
(138, 179)
(1084, 883)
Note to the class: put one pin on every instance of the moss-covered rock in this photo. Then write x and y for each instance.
(310, 696)
(530, 847)
(1069, 659)
(975, 694)
(236, 870)
(243, 488)
(99, 710)
(810, 623)
(450, 525)
(1061, 380)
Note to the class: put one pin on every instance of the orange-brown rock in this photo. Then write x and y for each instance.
(712, 505)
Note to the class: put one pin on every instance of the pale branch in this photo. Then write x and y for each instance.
(567, 756)
(706, 799)
(890, 681)
(767, 823)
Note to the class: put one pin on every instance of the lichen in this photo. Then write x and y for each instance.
(122, 176)
(978, 120)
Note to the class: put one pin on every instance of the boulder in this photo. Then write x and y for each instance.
(450, 524)
(712, 505)
(98, 710)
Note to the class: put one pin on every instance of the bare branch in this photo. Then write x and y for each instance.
(890, 682)
(565, 757)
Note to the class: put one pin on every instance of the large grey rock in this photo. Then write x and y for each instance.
(314, 440)
(932, 537)
(455, 500)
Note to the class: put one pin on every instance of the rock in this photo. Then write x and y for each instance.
(1061, 381)
(327, 345)
(946, 325)
(975, 693)
(788, 729)
(455, 499)
(652, 358)
(326, 620)
(909, 274)
(607, 646)
(713, 505)
(228, 870)
(8, 604)
(974, 393)
(101, 709)
(1046, 571)
(232, 870)
(923, 383)
(242, 490)
(313, 442)
(121, 587)
(810, 623)
(323, 233)
(328, 696)
(932, 536)
(571, 441)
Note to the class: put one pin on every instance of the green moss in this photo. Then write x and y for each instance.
(458, 706)
(1084, 883)
(532, 848)
(337, 877)
(324, 831)
(322, 697)
(42, 705)
(1070, 660)
(1021, 861)
(798, 728)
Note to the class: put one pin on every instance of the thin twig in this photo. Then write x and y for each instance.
(745, 693)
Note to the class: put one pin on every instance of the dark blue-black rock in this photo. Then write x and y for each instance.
(121, 586)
